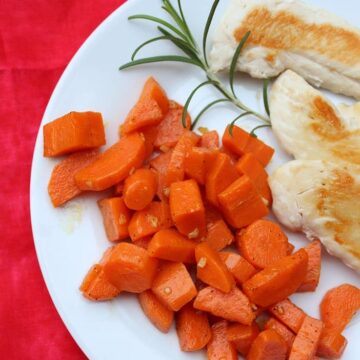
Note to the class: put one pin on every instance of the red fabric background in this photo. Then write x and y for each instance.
(37, 40)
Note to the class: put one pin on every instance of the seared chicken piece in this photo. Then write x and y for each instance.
(288, 34)
(308, 126)
(321, 199)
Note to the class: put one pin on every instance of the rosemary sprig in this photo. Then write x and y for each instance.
(265, 96)
(180, 35)
(252, 133)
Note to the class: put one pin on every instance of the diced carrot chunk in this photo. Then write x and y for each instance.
(237, 141)
(218, 234)
(210, 140)
(219, 346)
(241, 204)
(242, 336)
(173, 286)
(116, 218)
(72, 132)
(130, 268)
(150, 220)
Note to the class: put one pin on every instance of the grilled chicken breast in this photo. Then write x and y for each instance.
(289, 34)
(308, 126)
(323, 202)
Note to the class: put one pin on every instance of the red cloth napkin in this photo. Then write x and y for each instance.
(37, 40)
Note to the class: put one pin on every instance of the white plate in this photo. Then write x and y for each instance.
(69, 240)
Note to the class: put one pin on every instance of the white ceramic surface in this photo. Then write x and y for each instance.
(69, 240)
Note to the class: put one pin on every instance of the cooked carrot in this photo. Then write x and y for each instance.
(269, 345)
(331, 345)
(289, 314)
(242, 336)
(221, 174)
(307, 340)
(210, 140)
(149, 133)
(193, 329)
(140, 189)
(62, 187)
(168, 244)
(237, 141)
(260, 150)
(130, 268)
(161, 163)
(262, 243)
(339, 306)
(170, 129)
(113, 165)
(149, 110)
(143, 242)
(241, 204)
(312, 277)
(187, 208)
(250, 166)
(72, 132)
(176, 167)
(96, 286)
(232, 306)
(118, 189)
(150, 220)
(116, 218)
(282, 330)
(278, 281)
(155, 311)
(219, 347)
(218, 234)
(173, 285)
(211, 269)
(290, 248)
(198, 162)
(233, 157)
(240, 268)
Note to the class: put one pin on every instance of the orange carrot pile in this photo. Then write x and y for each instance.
(186, 221)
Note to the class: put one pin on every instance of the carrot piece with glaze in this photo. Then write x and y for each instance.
(130, 268)
(242, 336)
(198, 162)
(72, 132)
(232, 306)
(211, 269)
(307, 340)
(282, 330)
(170, 129)
(156, 312)
(143, 242)
(262, 152)
(96, 286)
(173, 286)
(150, 220)
(262, 243)
(240, 268)
(278, 281)
(175, 170)
(241, 204)
(218, 234)
(339, 306)
(250, 166)
(331, 345)
(210, 140)
(237, 141)
(140, 189)
(62, 186)
(219, 347)
(149, 110)
(116, 217)
(169, 244)
(221, 174)
(187, 208)
(312, 277)
(269, 345)
(193, 329)
(113, 165)
(149, 134)
(289, 314)
(161, 163)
